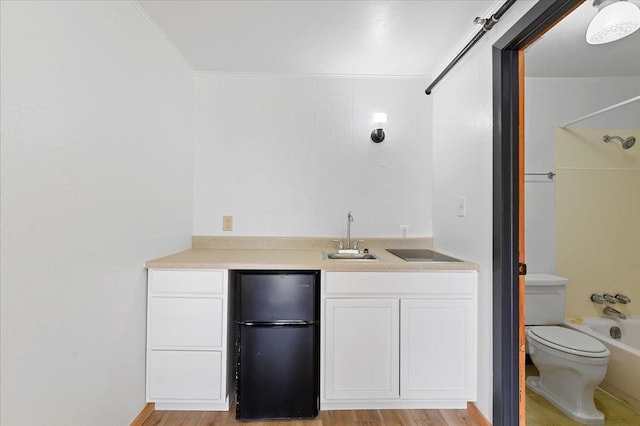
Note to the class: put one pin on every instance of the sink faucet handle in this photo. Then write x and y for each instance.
(355, 245)
(621, 298)
(596, 298)
(340, 246)
(609, 298)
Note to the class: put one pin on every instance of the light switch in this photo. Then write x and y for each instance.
(461, 207)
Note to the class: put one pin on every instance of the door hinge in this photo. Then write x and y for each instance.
(522, 269)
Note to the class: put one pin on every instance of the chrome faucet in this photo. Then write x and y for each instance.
(348, 248)
(609, 298)
(613, 312)
(621, 298)
(349, 220)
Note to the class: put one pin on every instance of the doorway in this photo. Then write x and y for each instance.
(508, 225)
(508, 84)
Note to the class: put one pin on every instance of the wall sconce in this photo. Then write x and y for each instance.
(615, 19)
(379, 120)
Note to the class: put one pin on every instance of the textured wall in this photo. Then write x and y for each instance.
(96, 179)
(291, 155)
(462, 147)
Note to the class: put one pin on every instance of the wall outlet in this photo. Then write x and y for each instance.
(227, 223)
(404, 231)
(461, 208)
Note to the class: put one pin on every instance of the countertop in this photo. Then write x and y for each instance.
(296, 253)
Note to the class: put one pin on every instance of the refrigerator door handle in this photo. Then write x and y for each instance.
(299, 323)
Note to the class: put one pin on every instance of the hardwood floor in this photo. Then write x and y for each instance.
(325, 418)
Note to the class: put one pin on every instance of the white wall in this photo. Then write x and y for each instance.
(96, 178)
(291, 155)
(549, 102)
(462, 146)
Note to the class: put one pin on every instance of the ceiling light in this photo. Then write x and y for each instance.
(614, 20)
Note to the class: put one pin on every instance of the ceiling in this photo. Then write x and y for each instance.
(378, 38)
(563, 51)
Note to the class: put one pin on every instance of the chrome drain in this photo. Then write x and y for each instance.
(615, 332)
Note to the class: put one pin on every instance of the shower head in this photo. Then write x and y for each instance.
(626, 143)
(629, 142)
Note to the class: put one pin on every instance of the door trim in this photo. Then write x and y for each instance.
(507, 300)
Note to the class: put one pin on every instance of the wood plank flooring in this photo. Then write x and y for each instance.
(325, 418)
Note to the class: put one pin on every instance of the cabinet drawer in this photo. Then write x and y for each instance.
(189, 375)
(186, 281)
(400, 283)
(185, 322)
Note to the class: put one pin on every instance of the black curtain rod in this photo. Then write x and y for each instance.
(487, 24)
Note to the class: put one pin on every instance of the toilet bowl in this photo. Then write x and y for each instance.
(571, 365)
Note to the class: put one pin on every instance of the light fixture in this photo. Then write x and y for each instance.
(379, 120)
(615, 19)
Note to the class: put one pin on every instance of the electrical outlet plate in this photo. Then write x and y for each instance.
(227, 223)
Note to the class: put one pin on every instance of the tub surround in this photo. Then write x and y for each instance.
(296, 253)
(597, 230)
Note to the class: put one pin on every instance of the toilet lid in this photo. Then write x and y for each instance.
(569, 341)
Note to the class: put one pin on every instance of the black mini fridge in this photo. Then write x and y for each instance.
(277, 344)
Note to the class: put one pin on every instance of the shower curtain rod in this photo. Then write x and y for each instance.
(618, 105)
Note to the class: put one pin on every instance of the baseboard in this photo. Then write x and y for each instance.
(477, 414)
(393, 404)
(144, 414)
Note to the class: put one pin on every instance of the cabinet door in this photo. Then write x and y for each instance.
(362, 346)
(437, 349)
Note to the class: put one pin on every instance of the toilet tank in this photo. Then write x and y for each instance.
(544, 299)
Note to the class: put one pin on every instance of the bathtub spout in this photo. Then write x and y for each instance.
(613, 312)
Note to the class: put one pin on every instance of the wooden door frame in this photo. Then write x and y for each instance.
(508, 146)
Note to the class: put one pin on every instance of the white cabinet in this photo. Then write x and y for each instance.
(362, 348)
(436, 349)
(186, 322)
(185, 375)
(187, 339)
(399, 339)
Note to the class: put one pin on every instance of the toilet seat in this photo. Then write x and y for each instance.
(568, 341)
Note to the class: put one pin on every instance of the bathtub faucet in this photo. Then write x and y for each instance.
(613, 312)
(621, 298)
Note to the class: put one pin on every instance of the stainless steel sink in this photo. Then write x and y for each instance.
(332, 255)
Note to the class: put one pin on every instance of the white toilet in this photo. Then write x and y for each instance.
(571, 364)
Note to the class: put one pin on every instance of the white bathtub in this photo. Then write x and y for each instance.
(623, 371)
